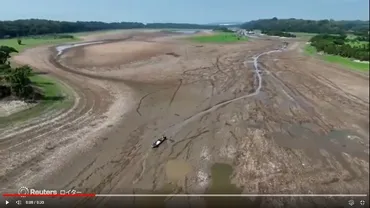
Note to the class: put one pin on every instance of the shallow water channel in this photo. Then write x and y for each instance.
(61, 48)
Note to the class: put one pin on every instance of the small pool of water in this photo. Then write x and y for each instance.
(177, 169)
(62, 48)
(221, 184)
(221, 180)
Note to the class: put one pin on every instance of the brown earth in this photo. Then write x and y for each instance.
(106, 54)
(305, 131)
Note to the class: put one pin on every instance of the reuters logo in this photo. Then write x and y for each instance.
(23, 190)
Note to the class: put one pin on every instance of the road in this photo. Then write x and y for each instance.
(272, 118)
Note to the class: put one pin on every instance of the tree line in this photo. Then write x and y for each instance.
(222, 29)
(279, 33)
(30, 27)
(339, 45)
(308, 26)
(177, 26)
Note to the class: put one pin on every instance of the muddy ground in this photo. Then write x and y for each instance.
(305, 131)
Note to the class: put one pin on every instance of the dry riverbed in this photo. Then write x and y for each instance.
(305, 131)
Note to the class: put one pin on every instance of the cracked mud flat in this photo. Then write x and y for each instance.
(306, 131)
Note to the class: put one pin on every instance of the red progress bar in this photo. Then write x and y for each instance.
(49, 195)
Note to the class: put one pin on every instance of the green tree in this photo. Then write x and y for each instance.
(20, 83)
(5, 52)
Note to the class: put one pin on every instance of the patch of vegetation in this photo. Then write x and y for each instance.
(19, 83)
(54, 96)
(15, 80)
(357, 44)
(307, 26)
(310, 50)
(361, 35)
(22, 83)
(358, 40)
(223, 29)
(48, 88)
(279, 33)
(305, 36)
(338, 45)
(347, 62)
(219, 38)
(22, 43)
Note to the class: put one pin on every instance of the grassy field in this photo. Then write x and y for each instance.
(310, 50)
(28, 42)
(56, 97)
(51, 88)
(219, 38)
(32, 42)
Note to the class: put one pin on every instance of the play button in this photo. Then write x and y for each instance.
(6, 202)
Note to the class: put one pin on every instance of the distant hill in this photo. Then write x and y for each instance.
(308, 26)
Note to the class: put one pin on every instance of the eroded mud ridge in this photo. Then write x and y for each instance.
(295, 126)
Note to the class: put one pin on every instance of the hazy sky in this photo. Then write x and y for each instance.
(192, 11)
